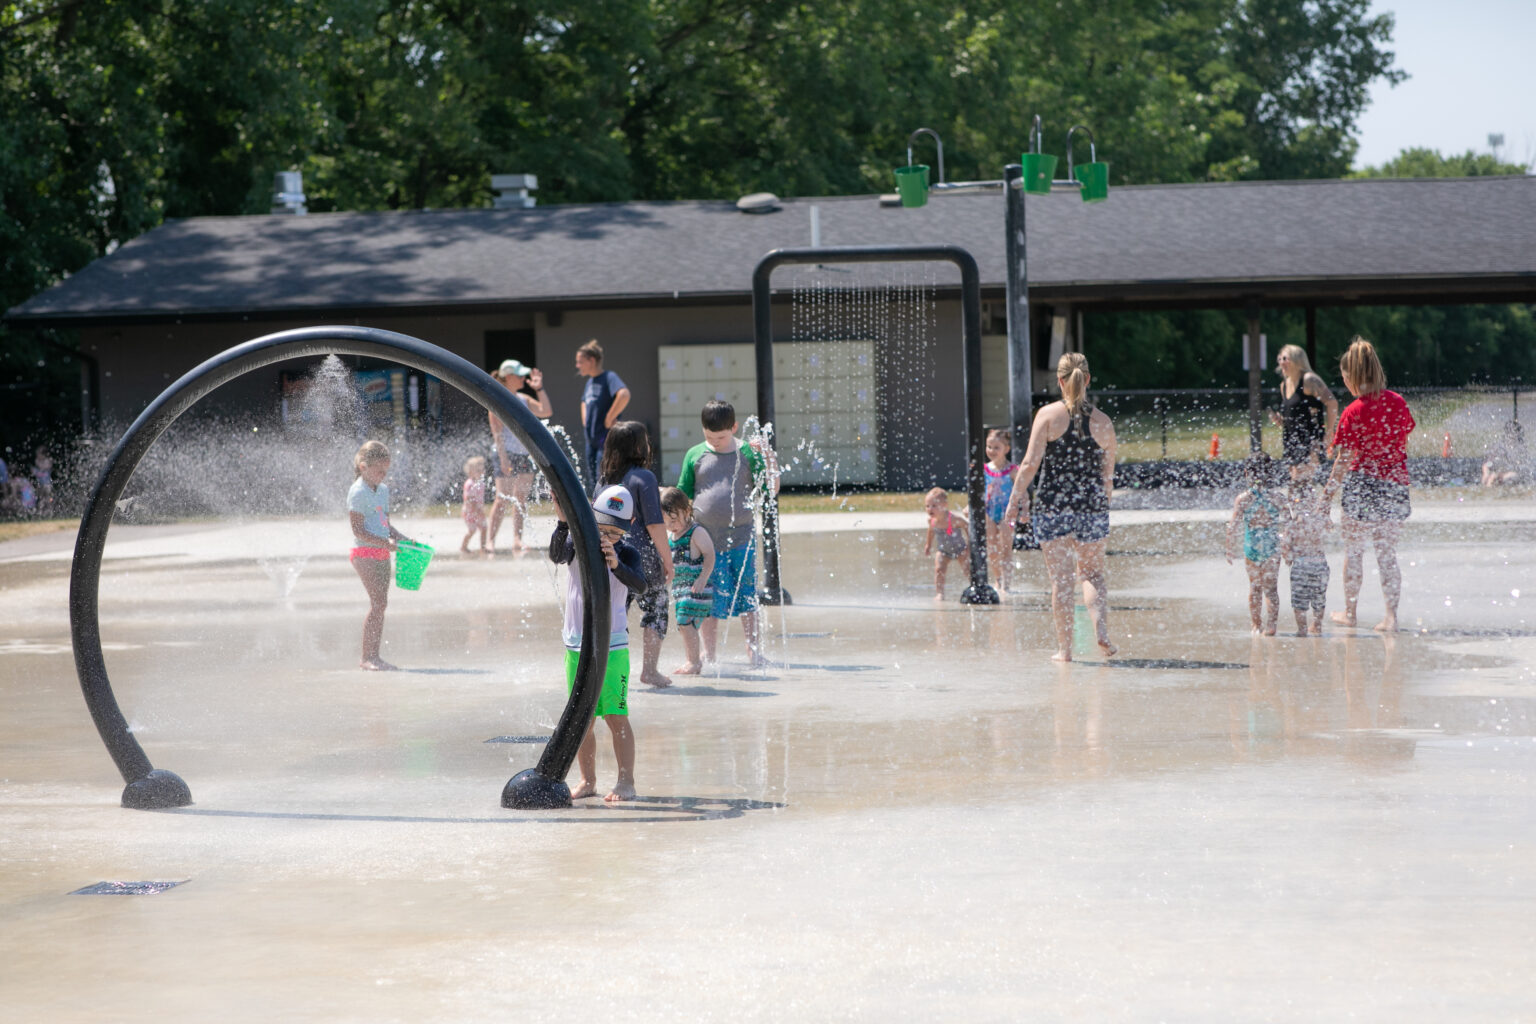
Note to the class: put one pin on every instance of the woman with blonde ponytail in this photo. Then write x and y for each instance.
(1072, 448)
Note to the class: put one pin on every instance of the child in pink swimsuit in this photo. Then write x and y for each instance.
(474, 503)
(950, 530)
(999, 469)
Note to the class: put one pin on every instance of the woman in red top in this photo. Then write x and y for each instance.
(1373, 471)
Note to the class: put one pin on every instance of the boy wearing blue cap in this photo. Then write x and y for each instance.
(614, 508)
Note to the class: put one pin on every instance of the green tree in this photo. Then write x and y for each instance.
(1287, 82)
(116, 114)
(1422, 162)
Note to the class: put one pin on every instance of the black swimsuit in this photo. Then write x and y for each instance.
(1072, 471)
(1301, 431)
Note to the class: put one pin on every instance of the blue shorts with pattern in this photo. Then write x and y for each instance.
(735, 582)
(1087, 527)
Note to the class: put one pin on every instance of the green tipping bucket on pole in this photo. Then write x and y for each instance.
(411, 561)
(912, 184)
(1039, 169)
(1095, 181)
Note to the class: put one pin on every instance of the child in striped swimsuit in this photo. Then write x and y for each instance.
(693, 562)
(1302, 547)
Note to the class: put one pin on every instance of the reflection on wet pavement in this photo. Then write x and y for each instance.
(910, 813)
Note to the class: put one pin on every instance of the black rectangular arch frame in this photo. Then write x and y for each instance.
(979, 592)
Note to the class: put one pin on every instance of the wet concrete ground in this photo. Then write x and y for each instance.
(911, 815)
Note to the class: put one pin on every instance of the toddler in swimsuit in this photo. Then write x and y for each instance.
(999, 469)
(949, 529)
(1261, 515)
(1302, 548)
(474, 503)
(693, 565)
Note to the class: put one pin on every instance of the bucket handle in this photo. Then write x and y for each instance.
(936, 141)
(1093, 155)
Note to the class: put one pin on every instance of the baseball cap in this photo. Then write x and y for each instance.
(614, 506)
(514, 367)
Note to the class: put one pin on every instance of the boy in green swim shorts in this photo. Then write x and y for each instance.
(613, 507)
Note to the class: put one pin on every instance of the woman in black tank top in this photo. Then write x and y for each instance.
(1072, 449)
(1308, 413)
(1072, 471)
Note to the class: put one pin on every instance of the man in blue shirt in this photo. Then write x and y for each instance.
(602, 402)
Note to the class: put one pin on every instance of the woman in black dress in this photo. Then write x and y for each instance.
(1072, 448)
(1308, 413)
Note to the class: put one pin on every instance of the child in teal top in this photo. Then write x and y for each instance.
(1261, 514)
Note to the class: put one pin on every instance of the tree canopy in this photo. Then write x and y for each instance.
(117, 114)
(1421, 162)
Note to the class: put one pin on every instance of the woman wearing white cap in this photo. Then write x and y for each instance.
(514, 466)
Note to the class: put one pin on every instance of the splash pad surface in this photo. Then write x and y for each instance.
(911, 814)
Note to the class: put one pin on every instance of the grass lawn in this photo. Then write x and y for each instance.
(32, 527)
(854, 501)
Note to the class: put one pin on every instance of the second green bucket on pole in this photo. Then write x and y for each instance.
(1095, 181)
(411, 561)
(912, 184)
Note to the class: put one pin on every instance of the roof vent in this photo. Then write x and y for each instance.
(512, 191)
(758, 202)
(288, 193)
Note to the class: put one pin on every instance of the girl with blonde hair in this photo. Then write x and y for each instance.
(1072, 448)
(373, 538)
(1308, 413)
(1372, 471)
(474, 503)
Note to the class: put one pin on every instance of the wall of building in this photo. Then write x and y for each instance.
(920, 377)
(920, 382)
(139, 361)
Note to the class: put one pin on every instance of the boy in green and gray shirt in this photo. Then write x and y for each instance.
(724, 478)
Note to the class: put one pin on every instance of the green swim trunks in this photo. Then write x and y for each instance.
(614, 698)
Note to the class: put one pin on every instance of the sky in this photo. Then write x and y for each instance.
(1472, 73)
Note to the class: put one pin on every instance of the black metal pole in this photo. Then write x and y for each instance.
(762, 328)
(1021, 368)
(1311, 324)
(148, 787)
(980, 591)
(1255, 368)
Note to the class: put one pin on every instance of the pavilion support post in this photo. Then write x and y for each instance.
(1255, 368)
(1312, 336)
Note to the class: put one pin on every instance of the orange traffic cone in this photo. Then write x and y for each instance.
(1445, 449)
(1215, 445)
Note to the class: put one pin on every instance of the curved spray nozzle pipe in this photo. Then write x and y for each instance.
(938, 142)
(1093, 155)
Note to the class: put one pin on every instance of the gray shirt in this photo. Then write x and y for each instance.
(721, 485)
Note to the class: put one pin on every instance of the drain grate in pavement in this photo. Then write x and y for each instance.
(125, 888)
(518, 739)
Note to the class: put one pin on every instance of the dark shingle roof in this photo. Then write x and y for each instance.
(1148, 240)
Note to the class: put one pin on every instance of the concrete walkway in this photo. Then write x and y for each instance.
(911, 814)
